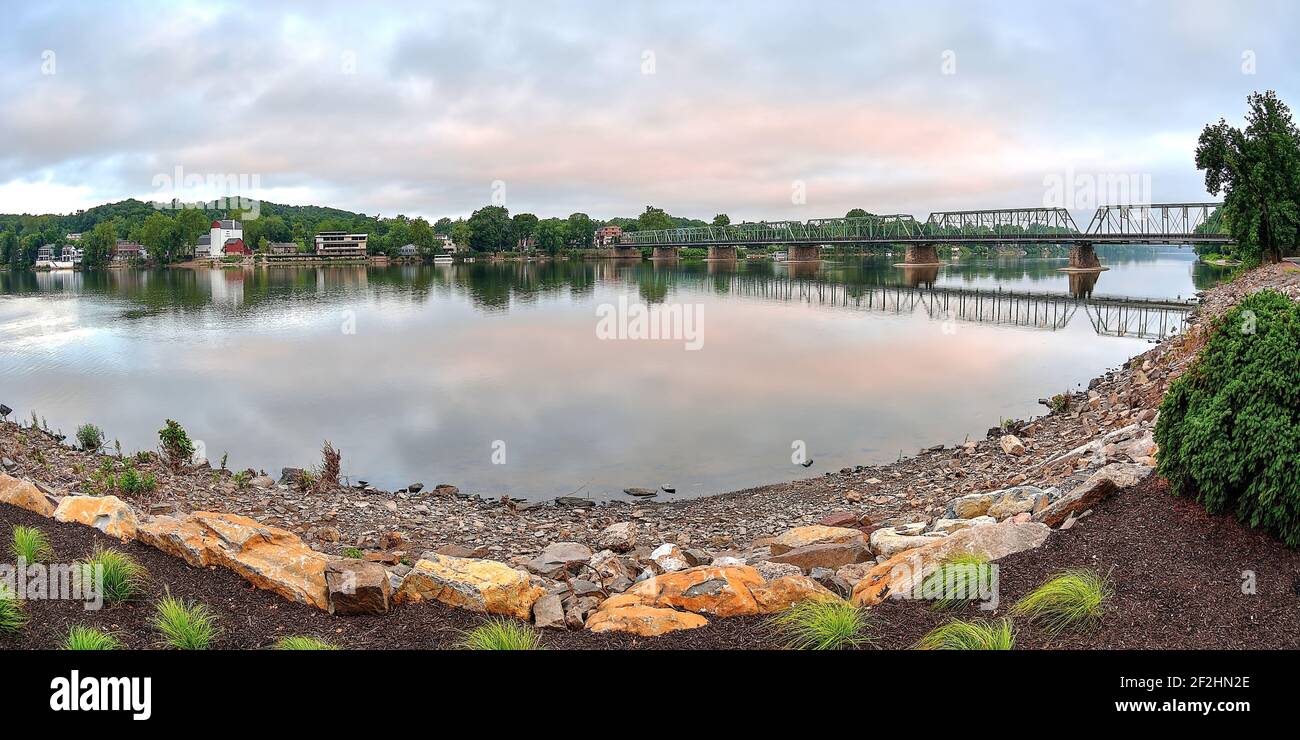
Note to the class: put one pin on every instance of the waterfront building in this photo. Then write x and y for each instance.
(340, 244)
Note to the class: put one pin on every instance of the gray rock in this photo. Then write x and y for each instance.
(642, 492)
(357, 587)
(553, 558)
(548, 612)
(619, 537)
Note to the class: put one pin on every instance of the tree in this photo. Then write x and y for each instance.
(654, 218)
(98, 245)
(722, 219)
(161, 236)
(856, 213)
(551, 234)
(191, 223)
(1258, 172)
(442, 226)
(581, 230)
(462, 233)
(490, 229)
(522, 227)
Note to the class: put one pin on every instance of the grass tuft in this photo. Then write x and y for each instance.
(185, 625)
(502, 634)
(13, 617)
(1074, 598)
(974, 635)
(302, 642)
(123, 577)
(30, 544)
(822, 625)
(89, 638)
(959, 580)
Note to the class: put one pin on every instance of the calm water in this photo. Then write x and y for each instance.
(492, 376)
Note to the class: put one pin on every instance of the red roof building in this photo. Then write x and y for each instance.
(235, 246)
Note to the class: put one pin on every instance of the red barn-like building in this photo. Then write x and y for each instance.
(235, 246)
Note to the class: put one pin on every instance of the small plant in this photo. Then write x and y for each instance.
(31, 545)
(133, 481)
(240, 479)
(90, 437)
(975, 635)
(185, 625)
(355, 553)
(302, 642)
(224, 457)
(1060, 403)
(822, 625)
(143, 457)
(12, 615)
(329, 468)
(123, 577)
(502, 634)
(1074, 598)
(175, 445)
(959, 580)
(89, 638)
(306, 480)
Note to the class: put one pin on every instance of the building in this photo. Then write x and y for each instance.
(444, 241)
(235, 247)
(608, 235)
(125, 251)
(45, 253)
(340, 244)
(70, 254)
(74, 237)
(213, 245)
(282, 248)
(408, 250)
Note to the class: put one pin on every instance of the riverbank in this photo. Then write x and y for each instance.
(440, 516)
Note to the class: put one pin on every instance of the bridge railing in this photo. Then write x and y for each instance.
(1162, 219)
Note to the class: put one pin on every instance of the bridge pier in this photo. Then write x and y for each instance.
(920, 276)
(803, 253)
(1082, 283)
(920, 254)
(626, 252)
(1083, 258)
(664, 253)
(722, 252)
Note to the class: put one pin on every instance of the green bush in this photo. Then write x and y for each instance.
(175, 444)
(823, 625)
(89, 638)
(1074, 598)
(90, 437)
(502, 634)
(1229, 428)
(133, 481)
(12, 614)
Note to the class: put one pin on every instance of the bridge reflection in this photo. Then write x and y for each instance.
(1118, 317)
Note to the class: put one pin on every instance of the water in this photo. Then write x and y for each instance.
(492, 377)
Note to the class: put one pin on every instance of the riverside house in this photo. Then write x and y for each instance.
(125, 251)
(340, 244)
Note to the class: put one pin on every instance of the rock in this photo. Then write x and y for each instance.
(262, 481)
(1092, 491)
(887, 541)
(548, 612)
(415, 487)
(446, 489)
(179, 538)
(844, 519)
(1013, 501)
(726, 560)
(26, 495)
(906, 571)
(948, 526)
(619, 537)
(643, 620)
(457, 551)
(268, 557)
(721, 592)
(832, 582)
(771, 570)
(642, 492)
(831, 555)
(357, 587)
(109, 514)
(1012, 445)
(479, 585)
(556, 555)
(969, 506)
(814, 535)
(611, 567)
(290, 476)
(786, 591)
(669, 558)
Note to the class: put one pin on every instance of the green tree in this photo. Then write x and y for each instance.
(97, 246)
(161, 237)
(551, 233)
(722, 219)
(653, 219)
(462, 233)
(442, 226)
(1258, 171)
(490, 229)
(581, 230)
(522, 226)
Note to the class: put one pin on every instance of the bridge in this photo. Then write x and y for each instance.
(1163, 223)
(1108, 316)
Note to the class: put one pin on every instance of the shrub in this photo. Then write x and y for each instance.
(30, 544)
(1073, 598)
(355, 553)
(822, 625)
(329, 469)
(959, 579)
(975, 635)
(177, 449)
(89, 638)
(185, 625)
(133, 481)
(1229, 427)
(12, 614)
(502, 634)
(123, 577)
(90, 437)
(302, 642)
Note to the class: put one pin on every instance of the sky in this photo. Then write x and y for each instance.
(761, 110)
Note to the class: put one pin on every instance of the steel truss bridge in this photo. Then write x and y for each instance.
(1117, 317)
(1164, 223)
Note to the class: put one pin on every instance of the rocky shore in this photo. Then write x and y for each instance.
(831, 533)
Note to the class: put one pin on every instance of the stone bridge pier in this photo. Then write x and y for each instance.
(921, 254)
(803, 253)
(722, 252)
(664, 253)
(1083, 258)
(627, 252)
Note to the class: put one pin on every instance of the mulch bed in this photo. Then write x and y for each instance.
(1177, 571)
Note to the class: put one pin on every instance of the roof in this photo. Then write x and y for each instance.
(227, 224)
(205, 240)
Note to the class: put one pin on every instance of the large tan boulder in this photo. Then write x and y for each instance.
(905, 572)
(479, 585)
(646, 621)
(357, 587)
(784, 592)
(268, 557)
(815, 534)
(705, 589)
(179, 538)
(25, 495)
(830, 555)
(109, 514)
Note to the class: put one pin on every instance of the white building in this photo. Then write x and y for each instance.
(222, 232)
